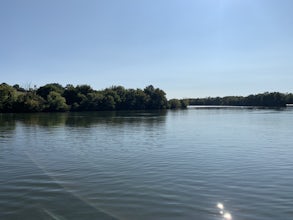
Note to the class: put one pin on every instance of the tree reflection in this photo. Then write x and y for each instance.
(7, 126)
(83, 119)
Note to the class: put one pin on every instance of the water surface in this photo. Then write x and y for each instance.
(147, 165)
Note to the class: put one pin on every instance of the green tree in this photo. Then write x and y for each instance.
(119, 94)
(56, 102)
(157, 98)
(52, 87)
(184, 103)
(113, 93)
(8, 96)
(289, 98)
(18, 88)
(29, 102)
(71, 96)
(174, 104)
(141, 99)
(95, 101)
(108, 103)
(84, 89)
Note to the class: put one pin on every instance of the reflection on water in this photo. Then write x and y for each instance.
(7, 126)
(147, 165)
(83, 119)
(44, 150)
(220, 206)
(226, 215)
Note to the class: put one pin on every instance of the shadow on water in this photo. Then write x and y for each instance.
(82, 119)
(7, 127)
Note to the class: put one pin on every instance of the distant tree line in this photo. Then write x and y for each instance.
(54, 97)
(273, 99)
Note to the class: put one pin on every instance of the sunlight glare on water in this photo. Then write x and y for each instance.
(226, 215)
(220, 205)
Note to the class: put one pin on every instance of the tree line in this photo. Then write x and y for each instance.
(53, 97)
(272, 99)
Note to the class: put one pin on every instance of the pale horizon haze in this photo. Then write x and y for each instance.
(188, 48)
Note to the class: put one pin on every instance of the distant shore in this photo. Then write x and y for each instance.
(267, 99)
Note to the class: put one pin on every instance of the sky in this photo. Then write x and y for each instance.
(188, 48)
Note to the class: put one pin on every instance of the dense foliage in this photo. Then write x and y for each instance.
(54, 97)
(274, 99)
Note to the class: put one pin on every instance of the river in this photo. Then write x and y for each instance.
(152, 165)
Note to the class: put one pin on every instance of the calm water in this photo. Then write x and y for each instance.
(147, 165)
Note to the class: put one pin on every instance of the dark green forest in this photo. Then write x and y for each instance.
(54, 97)
(273, 99)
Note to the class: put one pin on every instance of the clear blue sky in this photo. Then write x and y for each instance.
(189, 48)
